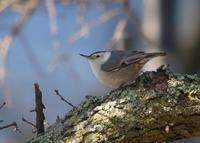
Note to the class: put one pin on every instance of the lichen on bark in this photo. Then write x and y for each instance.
(158, 107)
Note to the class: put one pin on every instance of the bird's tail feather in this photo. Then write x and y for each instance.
(149, 56)
(152, 55)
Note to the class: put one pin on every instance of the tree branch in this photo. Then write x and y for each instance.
(158, 107)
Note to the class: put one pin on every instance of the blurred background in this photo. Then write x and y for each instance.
(40, 41)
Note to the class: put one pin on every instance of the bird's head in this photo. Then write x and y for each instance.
(97, 58)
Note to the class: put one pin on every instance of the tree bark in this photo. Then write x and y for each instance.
(39, 107)
(158, 107)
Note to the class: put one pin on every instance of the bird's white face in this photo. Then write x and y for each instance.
(99, 58)
(96, 60)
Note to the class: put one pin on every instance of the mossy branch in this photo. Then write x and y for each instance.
(158, 107)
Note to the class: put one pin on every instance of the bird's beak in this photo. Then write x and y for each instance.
(85, 56)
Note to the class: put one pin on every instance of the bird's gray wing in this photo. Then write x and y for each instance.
(121, 59)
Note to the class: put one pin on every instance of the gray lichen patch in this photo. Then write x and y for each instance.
(102, 121)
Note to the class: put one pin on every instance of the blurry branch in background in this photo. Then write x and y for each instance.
(70, 1)
(60, 57)
(84, 31)
(7, 40)
(4, 103)
(26, 8)
(135, 19)
(39, 107)
(82, 12)
(119, 35)
(4, 4)
(28, 122)
(14, 124)
(1, 121)
(50, 4)
(130, 12)
(30, 55)
(63, 99)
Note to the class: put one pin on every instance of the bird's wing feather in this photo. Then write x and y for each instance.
(121, 59)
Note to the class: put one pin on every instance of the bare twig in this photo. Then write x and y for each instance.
(26, 121)
(4, 103)
(14, 124)
(63, 99)
(33, 110)
(39, 107)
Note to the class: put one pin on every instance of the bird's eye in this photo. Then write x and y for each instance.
(97, 56)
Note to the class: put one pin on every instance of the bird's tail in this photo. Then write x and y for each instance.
(152, 55)
(149, 56)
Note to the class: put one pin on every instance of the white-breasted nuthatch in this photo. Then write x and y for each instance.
(115, 68)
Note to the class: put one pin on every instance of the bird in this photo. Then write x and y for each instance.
(116, 68)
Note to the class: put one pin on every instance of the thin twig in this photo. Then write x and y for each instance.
(26, 121)
(14, 124)
(4, 103)
(62, 98)
(33, 110)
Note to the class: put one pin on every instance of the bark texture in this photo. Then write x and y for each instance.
(39, 107)
(158, 107)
